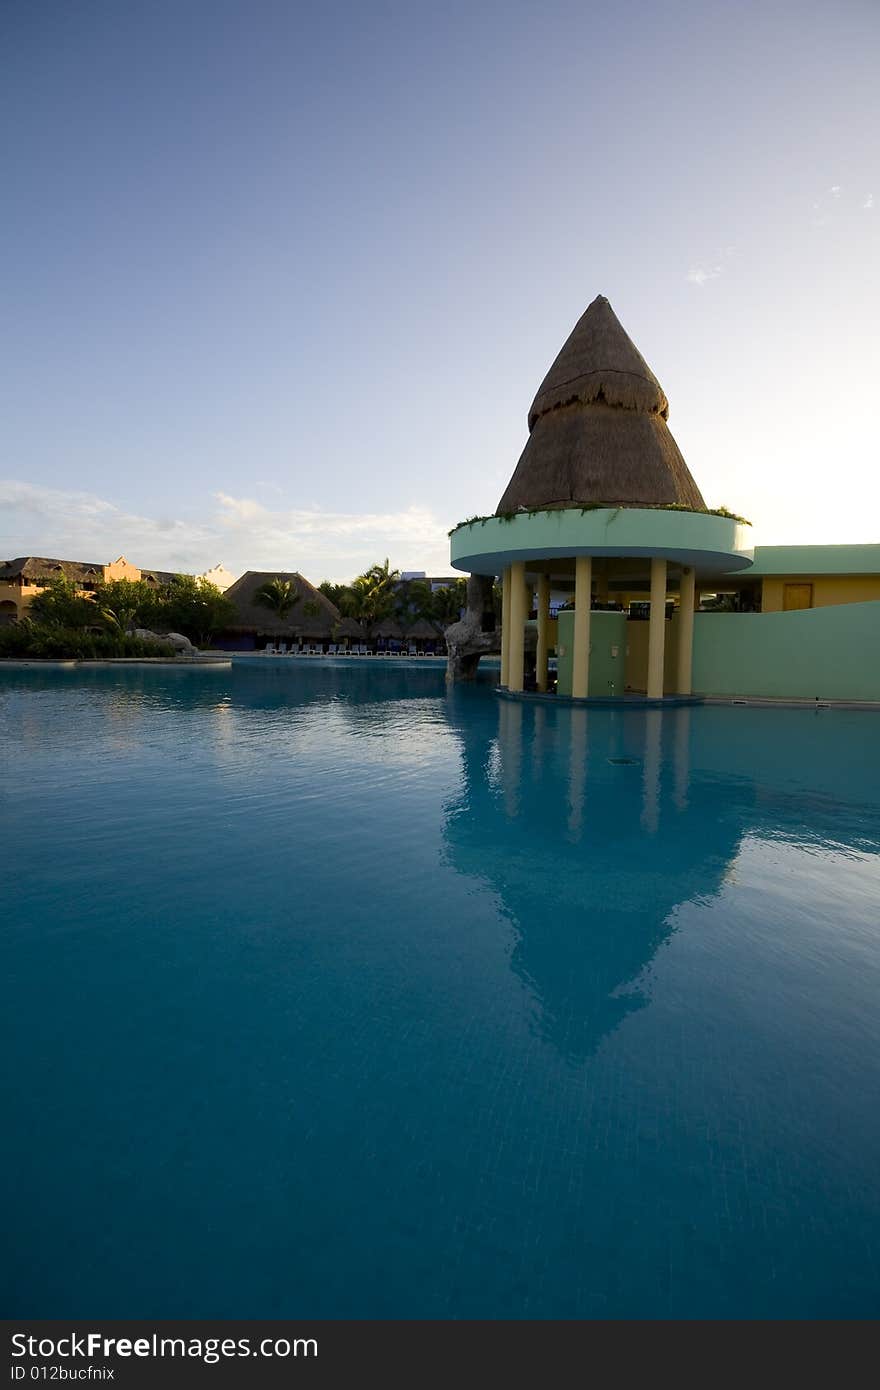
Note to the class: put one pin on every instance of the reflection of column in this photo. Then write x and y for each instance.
(580, 656)
(651, 772)
(516, 640)
(682, 757)
(543, 630)
(685, 631)
(577, 771)
(657, 629)
(510, 749)
(505, 626)
(538, 741)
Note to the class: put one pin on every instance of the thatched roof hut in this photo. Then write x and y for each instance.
(419, 631)
(313, 617)
(36, 569)
(597, 429)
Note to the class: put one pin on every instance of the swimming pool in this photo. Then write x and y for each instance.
(334, 994)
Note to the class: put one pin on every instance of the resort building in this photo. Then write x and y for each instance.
(785, 578)
(219, 576)
(602, 506)
(22, 579)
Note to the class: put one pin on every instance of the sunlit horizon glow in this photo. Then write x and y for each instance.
(283, 283)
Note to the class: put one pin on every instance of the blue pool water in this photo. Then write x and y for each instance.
(331, 994)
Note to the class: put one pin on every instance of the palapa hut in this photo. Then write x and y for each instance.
(601, 501)
(313, 617)
(597, 429)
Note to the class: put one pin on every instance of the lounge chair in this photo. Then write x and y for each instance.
(270, 649)
(411, 650)
(282, 649)
(331, 650)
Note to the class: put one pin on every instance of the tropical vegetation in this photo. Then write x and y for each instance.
(379, 594)
(598, 507)
(280, 596)
(62, 622)
(37, 642)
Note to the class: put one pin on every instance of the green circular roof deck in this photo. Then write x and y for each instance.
(711, 544)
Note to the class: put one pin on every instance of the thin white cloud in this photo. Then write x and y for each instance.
(237, 531)
(700, 274)
(710, 267)
(834, 203)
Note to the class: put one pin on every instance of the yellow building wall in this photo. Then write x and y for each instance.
(828, 589)
(636, 670)
(21, 597)
(121, 569)
(10, 607)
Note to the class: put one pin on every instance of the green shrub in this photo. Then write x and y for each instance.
(52, 643)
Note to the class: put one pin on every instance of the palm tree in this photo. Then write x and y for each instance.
(371, 597)
(279, 596)
(446, 603)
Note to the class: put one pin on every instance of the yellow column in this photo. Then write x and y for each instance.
(543, 630)
(516, 640)
(580, 655)
(685, 631)
(657, 629)
(505, 626)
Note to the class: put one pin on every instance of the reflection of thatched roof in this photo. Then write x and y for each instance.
(323, 619)
(598, 431)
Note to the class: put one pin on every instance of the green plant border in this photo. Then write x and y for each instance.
(601, 507)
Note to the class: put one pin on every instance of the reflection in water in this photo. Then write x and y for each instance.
(490, 1048)
(651, 773)
(539, 742)
(577, 772)
(609, 823)
(682, 757)
(510, 716)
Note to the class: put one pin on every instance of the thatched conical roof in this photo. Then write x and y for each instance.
(597, 428)
(322, 619)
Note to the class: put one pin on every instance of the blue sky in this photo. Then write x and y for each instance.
(281, 280)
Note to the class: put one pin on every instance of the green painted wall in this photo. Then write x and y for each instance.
(832, 653)
(816, 559)
(607, 653)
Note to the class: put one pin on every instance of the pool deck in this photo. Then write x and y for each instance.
(69, 663)
(334, 659)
